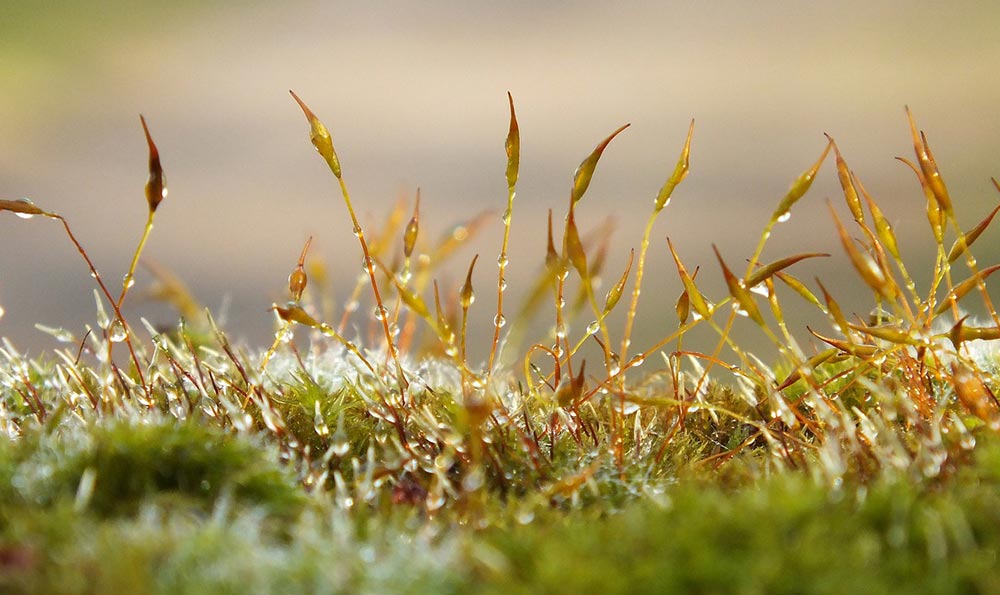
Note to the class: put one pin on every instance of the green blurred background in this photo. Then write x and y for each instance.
(414, 94)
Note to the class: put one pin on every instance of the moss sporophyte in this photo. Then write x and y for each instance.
(370, 405)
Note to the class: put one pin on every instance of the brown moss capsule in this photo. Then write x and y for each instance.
(298, 279)
(412, 228)
(466, 296)
(156, 185)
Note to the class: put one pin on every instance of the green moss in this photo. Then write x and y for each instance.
(123, 464)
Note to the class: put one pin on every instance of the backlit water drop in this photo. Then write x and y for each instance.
(26, 201)
(117, 332)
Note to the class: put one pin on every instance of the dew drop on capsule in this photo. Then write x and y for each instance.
(26, 201)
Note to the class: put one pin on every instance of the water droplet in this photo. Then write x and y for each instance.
(356, 231)
(506, 217)
(784, 217)
(319, 422)
(525, 514)
(367, 263)
(760, 289)
(128, 281)
(626, 407)
(502, 260)
(436, 497)
(593, 327)
(636, 361)
(740, 311)
(117, 332)
(561, 330)
(379, 313)
(26, 201)
(499, 321)
(561, 302)
(404, 276)
(285, 335)
(1, 311)
(473, 480)
(503, 284)
(340, 444)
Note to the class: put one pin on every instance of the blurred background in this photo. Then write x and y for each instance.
(415, 96)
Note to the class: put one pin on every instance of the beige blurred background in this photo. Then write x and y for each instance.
(414, 94)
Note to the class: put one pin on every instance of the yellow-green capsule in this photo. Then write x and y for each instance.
(585, 172)
(320, 137)
(680, 172)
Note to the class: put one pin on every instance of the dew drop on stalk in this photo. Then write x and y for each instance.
(379, 313)
(285, 335)
(404, 276)
(502, 260)
(506, 217)
(117, 332)
(503, 285)
(593, 327)
(128, 281)
(367, 263)
(784, 217)
(499, 321)
(356, 231)
(561, 330)
(636, 361)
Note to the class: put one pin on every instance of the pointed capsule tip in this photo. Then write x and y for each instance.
(149, 137)
(305, 109)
